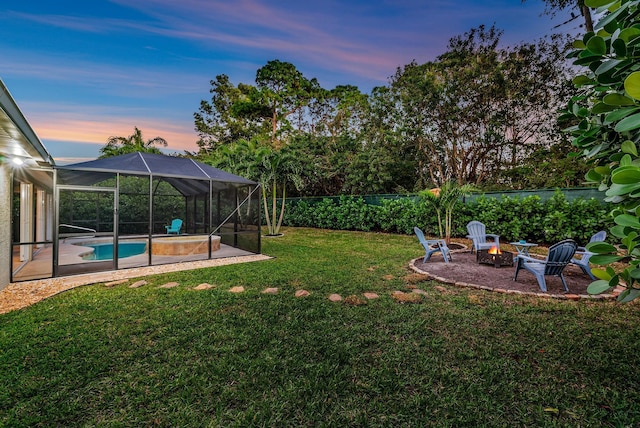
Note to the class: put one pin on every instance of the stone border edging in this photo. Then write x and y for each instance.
(613, 295)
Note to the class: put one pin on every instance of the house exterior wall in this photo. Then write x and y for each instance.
(5, 224)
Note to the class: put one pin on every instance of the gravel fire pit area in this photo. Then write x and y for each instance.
(464, 270)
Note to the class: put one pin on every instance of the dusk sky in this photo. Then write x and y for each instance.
(82, 71)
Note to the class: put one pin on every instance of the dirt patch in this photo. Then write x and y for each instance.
(465, 269)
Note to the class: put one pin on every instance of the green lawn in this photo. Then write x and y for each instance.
(97, 356)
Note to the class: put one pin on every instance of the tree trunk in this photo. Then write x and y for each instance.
(273, 214)
(266, 209)
(586, 13)
(274, 128)
(284, 197)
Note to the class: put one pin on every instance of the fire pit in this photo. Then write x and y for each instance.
(494, 256)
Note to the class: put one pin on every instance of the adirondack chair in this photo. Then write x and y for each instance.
(433, 246)
(478, 235)
(559, 257)
(176, 224)
(583, 261)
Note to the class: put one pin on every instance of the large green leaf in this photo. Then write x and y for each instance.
(582, 80)
(626, 175)
(625, 160)
(607, 19)
(628, 123)
(583, 112)
(622, 189)
(588, 59)
(607, 65)
(607, 78)
(618, 114)
(612, 7)
(601, 274)
(604, 259)
(627, 220)
(600, 108)
(618, 231)
(629, 147)
(628, 34)
(632, 85)
(628, 295)
(620, 48)
(597, 287)
(598, 3)
(603, 170)
(595, 150)
(615, 99)
(614, 199)
(593, 176)
(579, 44)
(601, 247)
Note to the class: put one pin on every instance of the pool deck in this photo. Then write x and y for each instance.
(70, 260)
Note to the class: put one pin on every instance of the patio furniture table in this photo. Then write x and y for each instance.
(523, 247)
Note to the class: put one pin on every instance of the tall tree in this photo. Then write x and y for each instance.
(263, 111)
(480, 108)
(133, 143)
(385, 158)
(285, 91)
(234, 113)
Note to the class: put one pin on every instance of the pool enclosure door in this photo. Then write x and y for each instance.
(86, 225)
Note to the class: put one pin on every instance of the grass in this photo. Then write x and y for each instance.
(97, 356)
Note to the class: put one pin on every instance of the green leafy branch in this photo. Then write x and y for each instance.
(607, 131)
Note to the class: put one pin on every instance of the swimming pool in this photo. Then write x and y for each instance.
(105, 251)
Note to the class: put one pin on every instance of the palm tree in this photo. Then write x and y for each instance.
(133, 143)
(443, 200)
(273, 169)
(277, 168)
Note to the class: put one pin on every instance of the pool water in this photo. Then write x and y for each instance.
(125, 249)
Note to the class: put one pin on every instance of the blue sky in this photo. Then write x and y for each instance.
(82, 71)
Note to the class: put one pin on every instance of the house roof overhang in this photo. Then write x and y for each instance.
(17, 138)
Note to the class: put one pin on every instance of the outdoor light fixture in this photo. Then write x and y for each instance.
(17, 161)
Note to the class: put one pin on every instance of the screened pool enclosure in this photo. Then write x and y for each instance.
(123, 212)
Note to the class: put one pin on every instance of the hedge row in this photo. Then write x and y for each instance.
(512, 218)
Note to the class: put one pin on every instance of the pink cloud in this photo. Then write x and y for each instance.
(314, 37)
(95, 127)
(253, 24)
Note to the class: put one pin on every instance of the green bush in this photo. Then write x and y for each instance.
(513, 218)
(346, 214)
(355, 214)
(402, 215)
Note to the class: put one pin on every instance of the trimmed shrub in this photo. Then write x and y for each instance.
(513, 218)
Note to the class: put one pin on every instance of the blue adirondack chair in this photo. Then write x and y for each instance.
(559, 257)
(433, 246)
(478, 235)
(583, 261)
(176, 224)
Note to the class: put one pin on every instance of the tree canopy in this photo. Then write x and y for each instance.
(477, 114)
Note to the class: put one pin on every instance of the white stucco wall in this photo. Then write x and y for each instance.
(5, 223)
